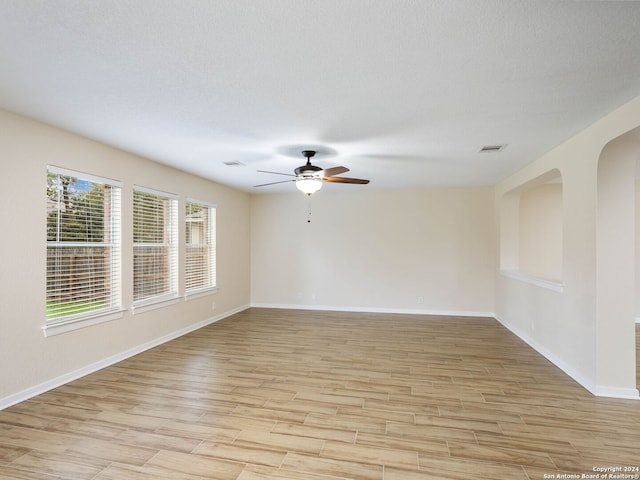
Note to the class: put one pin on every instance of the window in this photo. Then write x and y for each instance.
(200, 265)
(155, 246)
(83, 246)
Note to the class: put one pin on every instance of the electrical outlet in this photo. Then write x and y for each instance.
(421, 300)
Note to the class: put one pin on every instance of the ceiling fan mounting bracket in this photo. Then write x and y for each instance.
(308, 170)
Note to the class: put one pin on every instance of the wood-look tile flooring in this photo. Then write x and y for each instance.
(275, 394)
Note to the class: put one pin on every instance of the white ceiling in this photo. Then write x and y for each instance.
(403, 92)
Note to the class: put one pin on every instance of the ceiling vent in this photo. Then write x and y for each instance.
(492, 148)
(234, 163)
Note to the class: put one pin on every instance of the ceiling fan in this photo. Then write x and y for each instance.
(309, 178)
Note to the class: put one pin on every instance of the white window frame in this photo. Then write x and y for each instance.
(170, 296)
(113, 309)
(209, 244)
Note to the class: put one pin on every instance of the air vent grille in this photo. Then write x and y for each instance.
(492, 148)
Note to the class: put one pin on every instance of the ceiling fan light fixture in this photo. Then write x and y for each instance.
(309, 185)
(309, 178)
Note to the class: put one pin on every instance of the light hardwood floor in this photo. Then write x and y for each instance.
(276, 394)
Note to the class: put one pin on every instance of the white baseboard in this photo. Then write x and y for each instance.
(405, 311)
(615, 392)
(597, 390)
(94, 367)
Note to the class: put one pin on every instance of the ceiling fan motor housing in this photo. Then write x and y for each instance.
(307, 170)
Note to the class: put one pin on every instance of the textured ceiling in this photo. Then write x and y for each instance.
(402, 92)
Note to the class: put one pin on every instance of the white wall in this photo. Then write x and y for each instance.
(426, 250)
(29, 362)
(568, 326)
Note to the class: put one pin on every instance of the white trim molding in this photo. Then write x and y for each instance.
(51, 329)
(615, 392)
(597, 390)
(118, 357)
(154, 304)
(406, 311)
(533, 280)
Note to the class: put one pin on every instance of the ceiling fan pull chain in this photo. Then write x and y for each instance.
(309, 209)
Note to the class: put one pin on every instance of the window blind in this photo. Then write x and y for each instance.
(200, 262)
(155, 246)
(83, 245)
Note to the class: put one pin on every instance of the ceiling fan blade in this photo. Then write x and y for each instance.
(274, 183)
(276, 173)
(359, 181)
(330, 172)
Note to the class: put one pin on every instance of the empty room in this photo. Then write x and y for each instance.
(320, 239)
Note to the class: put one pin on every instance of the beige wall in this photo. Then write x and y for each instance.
(540, 231)
(28, 360)
(570, 326)
(615, 249)
(416, 250)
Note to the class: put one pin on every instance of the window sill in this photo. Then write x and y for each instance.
(154, 304)
(547, 284)
(202, 292)
(50, 330)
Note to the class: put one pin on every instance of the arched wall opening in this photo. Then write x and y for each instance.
(585, 324)
(616, 247)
